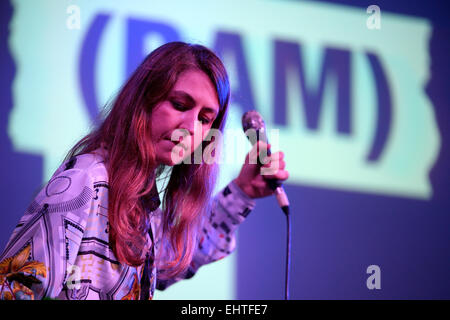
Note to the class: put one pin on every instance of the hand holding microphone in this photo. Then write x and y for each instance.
(262, 179)
(256, 184)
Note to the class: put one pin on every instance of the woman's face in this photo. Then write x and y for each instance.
(180, 123)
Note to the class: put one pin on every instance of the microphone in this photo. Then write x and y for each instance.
(253, 120)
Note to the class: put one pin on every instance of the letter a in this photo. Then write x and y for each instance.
(73, 21)
(374, 281)
(374, 21)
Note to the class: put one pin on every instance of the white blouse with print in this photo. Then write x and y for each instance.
(60, 247)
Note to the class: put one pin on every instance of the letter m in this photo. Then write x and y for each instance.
(336, 63)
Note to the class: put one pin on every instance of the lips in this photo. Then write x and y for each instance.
(178, 144)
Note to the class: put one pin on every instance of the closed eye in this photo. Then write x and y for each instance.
(181, 107)
(206, 120)
(178, 106)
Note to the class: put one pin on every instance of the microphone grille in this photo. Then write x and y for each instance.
(252, 119)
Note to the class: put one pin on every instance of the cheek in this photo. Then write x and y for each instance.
(206, 132)
(154, 131)
(196, 140)
(160, 121)
(203, 133)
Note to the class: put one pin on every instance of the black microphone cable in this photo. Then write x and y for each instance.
(288, 252)
(253, 120)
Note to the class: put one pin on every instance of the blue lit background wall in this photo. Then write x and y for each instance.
(363, 118)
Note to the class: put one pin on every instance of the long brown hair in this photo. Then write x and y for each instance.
(131, 157)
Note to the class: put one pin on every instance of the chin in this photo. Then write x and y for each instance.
(168, 161)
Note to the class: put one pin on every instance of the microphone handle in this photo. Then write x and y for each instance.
(261, 136)
(274, 184)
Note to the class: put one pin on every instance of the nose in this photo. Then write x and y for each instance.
(190, 123)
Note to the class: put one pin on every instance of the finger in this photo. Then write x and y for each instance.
(272, 167)
(263, 151)
(252, 155)
(281, 165)
(277, 163)
(277, 155)
(259, 183)
(262, 187)
(259, 150)
(280, 175)
(261, 144)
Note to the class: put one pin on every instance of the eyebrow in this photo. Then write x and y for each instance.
(191, 100)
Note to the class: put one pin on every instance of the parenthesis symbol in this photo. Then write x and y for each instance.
(86, 67)
(384, 102)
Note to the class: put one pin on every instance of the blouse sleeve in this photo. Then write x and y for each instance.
(39, 256)
(217, 238)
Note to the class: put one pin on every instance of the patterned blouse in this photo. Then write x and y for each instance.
(60, 247)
